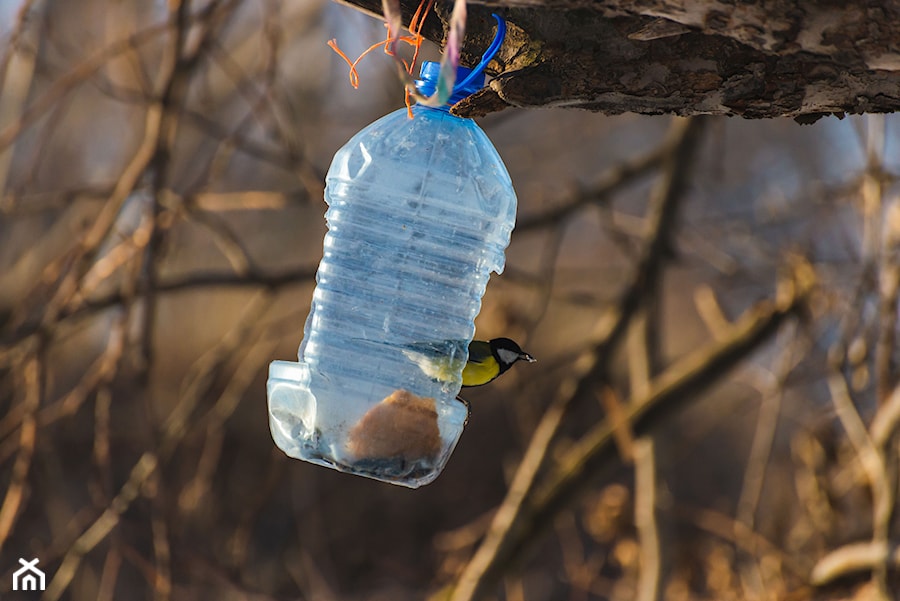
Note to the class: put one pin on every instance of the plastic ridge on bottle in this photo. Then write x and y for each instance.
(420, 211)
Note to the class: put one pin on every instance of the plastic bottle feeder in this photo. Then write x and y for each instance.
(420, 213)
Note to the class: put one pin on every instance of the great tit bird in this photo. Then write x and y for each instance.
(487, 360)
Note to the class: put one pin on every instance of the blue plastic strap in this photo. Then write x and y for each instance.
(489, 54)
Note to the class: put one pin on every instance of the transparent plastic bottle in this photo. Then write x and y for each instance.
(420, 212)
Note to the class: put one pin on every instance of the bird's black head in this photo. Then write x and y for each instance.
(507, 352)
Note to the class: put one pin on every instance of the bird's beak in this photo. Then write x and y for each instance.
(527, 357)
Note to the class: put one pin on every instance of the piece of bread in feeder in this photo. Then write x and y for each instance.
(403, 427)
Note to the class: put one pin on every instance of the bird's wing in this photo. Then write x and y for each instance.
(479, 351)
(482, 367)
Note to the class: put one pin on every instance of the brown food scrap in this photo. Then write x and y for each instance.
(402, 426)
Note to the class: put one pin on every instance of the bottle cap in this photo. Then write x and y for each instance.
(468, 81)
(430, 73)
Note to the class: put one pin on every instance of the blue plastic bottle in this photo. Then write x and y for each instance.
(420, 212)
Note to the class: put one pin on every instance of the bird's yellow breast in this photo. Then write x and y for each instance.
(476, 374)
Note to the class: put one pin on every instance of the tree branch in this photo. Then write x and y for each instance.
(750, 59)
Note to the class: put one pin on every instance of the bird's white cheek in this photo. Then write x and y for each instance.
(507, 357)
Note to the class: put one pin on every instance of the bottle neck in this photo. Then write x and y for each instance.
(444, 108)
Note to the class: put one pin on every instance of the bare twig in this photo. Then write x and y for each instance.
(225, 239)
(650, 583)
(180, 55)
(615, 412)
(887, 421)
(875, 465)
(162, 584)
(248, 200)
(193, 492)
(16, 72)
(855, 557)
(20, 342)
(27, 435)
(606, 185)
(309, 579)
(709, 311)
(309, 175)
(68, 82)
(111, 566)
(881, 243)
(102, 526)
(101, 453)
(644, 362)
(100, 372)
(771, 388)
(751, 541)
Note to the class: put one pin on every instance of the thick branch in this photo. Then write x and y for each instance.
(752, 59)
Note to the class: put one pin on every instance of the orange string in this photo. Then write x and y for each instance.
(415, 27)
(354, 75)
(414, 40)
(412, 22)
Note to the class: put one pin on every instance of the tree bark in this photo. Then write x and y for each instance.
(753, 58)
